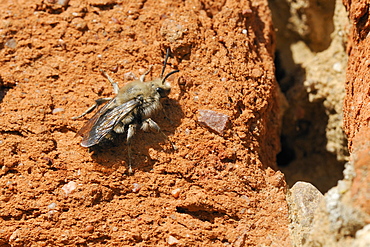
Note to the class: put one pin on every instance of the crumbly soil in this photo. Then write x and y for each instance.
(357, 101)
(356, 105)
(218, 188)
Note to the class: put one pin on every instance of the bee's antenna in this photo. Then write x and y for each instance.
(165, 62)
(168, 75)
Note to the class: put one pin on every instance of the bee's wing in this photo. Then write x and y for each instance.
(104, 121)
(92, 121)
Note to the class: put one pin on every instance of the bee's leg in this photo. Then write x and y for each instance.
(150, 124)
(142, 77)
(114, 84)
(98, 102)
(166, 116)
(130, 134)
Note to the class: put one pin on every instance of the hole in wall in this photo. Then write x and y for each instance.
(304, 155)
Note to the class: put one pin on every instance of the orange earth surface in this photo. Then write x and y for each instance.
(218, 188)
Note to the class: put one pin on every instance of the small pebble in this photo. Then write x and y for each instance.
(214, 120)
(57, 110)
(136, 187)
(89, 228)
(337, 67)
(172, 240)
(62, 43)
(52, 205)
(11, 43)
(176, 193)
(69, 188)
(15, 235)
(63, 2)
(246, 198)
(114, 69)
(79, 24)
(247, 11)
(51, 213)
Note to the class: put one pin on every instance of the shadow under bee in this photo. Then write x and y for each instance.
(113, 152)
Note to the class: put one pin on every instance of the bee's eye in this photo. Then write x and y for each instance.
(162, 92)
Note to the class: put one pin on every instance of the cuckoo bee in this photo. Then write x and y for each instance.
(128, 111)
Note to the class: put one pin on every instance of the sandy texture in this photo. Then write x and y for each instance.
(216, 189)
(357, 102)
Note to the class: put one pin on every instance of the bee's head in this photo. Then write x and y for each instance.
(163, 87)
(164, 90)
